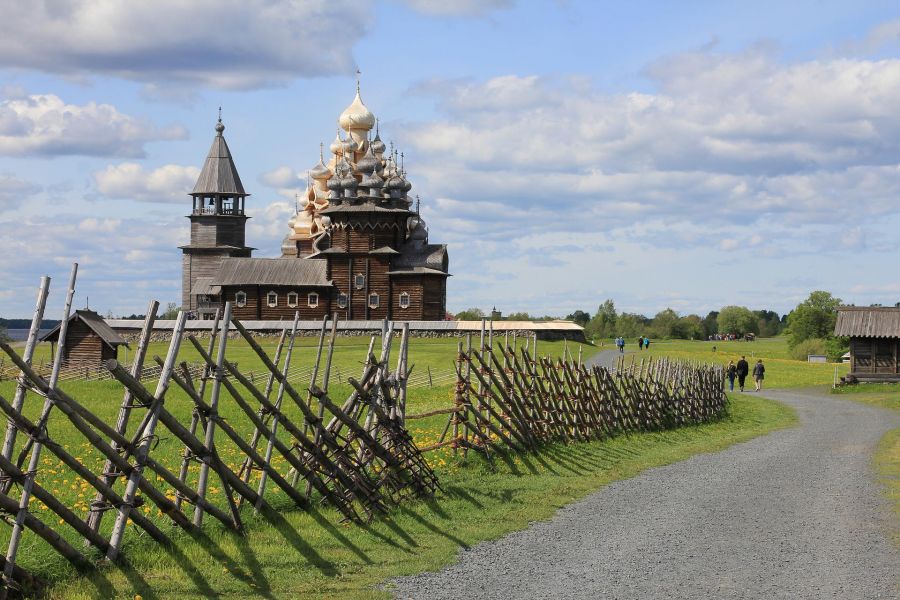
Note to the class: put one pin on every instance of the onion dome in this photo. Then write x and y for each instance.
(357, 116)
(377, 145)
(416, 228)
(335, 188)
(368, 163)
(350, 145)
(373, 182)
(406, 185)
(320, 171)
(337, 146)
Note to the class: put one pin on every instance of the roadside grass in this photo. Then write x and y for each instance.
(887, 455)
(315, 556)
(781, 370)
(103, 398)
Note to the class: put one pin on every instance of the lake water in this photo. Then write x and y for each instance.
(20, 335)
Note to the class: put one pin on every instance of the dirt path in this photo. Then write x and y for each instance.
(795, 514)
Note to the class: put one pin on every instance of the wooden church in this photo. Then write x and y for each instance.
(356, 247)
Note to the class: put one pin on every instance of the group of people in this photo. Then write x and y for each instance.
(643, 342)
(741, 370)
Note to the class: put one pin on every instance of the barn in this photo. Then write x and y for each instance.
(874, 334)
(89, 339)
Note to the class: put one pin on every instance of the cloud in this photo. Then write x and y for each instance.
(130, 181)
(280, 177)
(14, 191)
(457, 8)
(43, 124)
(220, 43)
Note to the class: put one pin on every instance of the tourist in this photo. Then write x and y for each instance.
(641, 343)
(731, 373)
(759, 373)
(742, 370)
(647, 343)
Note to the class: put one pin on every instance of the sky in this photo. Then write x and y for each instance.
(686, 155)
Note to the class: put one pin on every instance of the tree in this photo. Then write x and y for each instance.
(664, 323)
(470, 314)
(688, 328)
(710, 323)
(813, 318)
(518, 316)
(769, 323)
(580, 317)
(631, 325)
(4, 336)
(738, 320)
(171, 311)
(603, 324)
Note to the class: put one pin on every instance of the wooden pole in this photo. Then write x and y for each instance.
(137, 367)
(28, 485)
(31, 342)
(209, 439)
(147, 436)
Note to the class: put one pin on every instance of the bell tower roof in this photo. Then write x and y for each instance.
(219, 175)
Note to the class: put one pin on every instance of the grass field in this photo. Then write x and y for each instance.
(314, 555)
(304, 559)
(781, 370)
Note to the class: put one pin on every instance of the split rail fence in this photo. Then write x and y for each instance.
(356, 455)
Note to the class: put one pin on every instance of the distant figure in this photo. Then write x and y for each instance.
(759, 373)
(620, 343)
(731, 373)
(641, 343)
(742, 370)
(647, 343)
(714, 349)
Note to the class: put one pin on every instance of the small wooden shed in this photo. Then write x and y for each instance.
(89, 339)
(874, 334)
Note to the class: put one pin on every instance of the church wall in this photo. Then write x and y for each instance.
(433, 298)
(379, 283)
(257, 306)
(413, 287)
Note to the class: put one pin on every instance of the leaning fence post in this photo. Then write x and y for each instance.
(140, 457)
(31, 473)
(213, 412)
(30, 344)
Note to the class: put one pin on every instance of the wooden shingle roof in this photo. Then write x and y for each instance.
(271, 271)
(219, 175)
(96, 324)
(873, 321)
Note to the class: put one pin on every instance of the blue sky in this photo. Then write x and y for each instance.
(687, 155)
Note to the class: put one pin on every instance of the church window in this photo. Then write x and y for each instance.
(293, 299)
(342, 300)
(374, 300)
(312, 300)
(240, 299)
(404, 300)
(272, 299)
(360, 281)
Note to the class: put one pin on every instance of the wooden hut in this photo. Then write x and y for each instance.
(874, 334)
(89, 339)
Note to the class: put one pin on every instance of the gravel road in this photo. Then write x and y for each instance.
(795, 514)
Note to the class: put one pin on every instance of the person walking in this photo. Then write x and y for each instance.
(620, 344)
(641, 343)
(759, 373)
(731, 373)
(742, 369)
(647, 343)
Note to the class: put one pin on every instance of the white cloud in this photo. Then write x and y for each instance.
(43, 124)
(457, 8)
(14, 191)
(280, 177)
(220, 43)
(130, 181)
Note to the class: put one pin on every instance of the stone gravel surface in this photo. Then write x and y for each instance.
(794, 514)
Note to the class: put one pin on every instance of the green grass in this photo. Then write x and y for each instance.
(313, 556)
(887, 455)
(781, 370)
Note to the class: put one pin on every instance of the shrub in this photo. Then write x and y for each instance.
(811, 346)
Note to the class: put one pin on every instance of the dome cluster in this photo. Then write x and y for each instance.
(360, 169)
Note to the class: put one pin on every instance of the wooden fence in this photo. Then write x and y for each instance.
(356, 456)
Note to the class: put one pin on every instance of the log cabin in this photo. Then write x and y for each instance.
(874, 334)
(89, 339)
